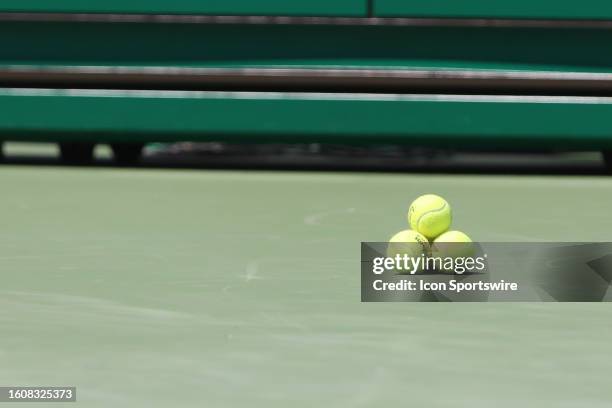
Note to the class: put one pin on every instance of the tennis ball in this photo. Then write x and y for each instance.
(409, 243)
(430, 215)
(452, 244)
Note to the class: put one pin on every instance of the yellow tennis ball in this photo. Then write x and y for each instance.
(453, 244)
(408, 242)
(430, 215)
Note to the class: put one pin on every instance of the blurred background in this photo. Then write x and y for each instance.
(320, 157)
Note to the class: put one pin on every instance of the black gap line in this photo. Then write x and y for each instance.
(370, 8)
(410, 87)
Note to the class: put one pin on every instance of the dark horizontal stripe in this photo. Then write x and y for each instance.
(342, 80)
(293, 20)
(58, 44)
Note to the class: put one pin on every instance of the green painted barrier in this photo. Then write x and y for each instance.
(347, 8)
(158, 116)
(502, 9)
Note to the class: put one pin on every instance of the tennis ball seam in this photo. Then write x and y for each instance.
(418, 223)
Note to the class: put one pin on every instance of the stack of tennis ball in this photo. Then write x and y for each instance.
(430, 218)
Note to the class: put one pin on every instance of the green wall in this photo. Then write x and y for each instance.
(212, 7)
(527, 9)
